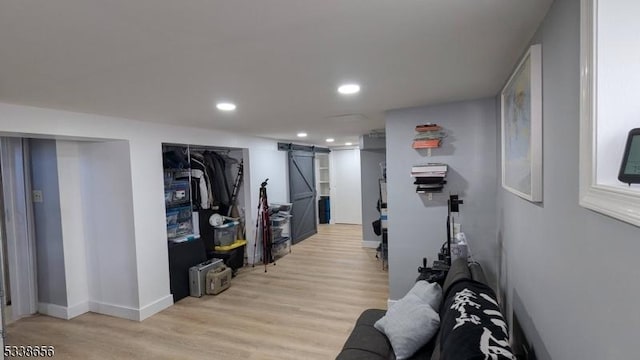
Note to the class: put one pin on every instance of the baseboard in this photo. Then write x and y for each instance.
(77, 310)
(155, 307)
(123, 312)
(390, 303)
(130, 313)
(66, 313)
(58, 311)
(370, 244)
(63, 312)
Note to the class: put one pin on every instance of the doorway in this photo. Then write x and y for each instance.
(302, 195)
(68, 226)
(346, 199)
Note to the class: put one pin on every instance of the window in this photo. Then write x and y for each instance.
(610, 82)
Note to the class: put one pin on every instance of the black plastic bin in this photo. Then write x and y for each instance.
(324, 210)
(233, 258)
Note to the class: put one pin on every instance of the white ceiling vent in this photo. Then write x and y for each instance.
(348, 118)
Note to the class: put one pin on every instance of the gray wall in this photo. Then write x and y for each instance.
(370, 174)
(572, 272)
(417, 225)
(48, 224)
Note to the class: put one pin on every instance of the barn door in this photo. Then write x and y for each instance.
(302, 195)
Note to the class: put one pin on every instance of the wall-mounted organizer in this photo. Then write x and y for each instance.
(429, 178)
(177, 193)
(429, 136)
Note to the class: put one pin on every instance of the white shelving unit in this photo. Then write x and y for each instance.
(323, 182)
(323, 179)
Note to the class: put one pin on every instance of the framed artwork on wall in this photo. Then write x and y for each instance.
(521, 128)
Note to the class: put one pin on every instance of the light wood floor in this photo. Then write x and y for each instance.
(302, 308)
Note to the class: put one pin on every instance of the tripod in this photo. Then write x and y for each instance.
(263, 224)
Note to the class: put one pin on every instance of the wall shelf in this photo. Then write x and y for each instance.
(429, 178)
(429, 136)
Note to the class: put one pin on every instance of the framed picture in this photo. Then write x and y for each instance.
(521, 125)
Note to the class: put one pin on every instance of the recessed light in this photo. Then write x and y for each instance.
(226, 106)
(331, 140)
(348, 144)
(302, 134)
(349, 89)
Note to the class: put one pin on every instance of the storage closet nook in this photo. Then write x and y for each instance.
(204, 203)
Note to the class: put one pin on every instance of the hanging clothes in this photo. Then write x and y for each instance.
(211, 179)
(210, 171)
(203, 193)
(220, 182)
(175, 158)
(201, 181)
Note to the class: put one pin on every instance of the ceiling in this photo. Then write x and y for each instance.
(280, 61)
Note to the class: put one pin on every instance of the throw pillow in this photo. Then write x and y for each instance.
(430, 293)
(412, 321)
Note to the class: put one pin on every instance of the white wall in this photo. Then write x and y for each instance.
(346, 196)
(265, 161)
(109, 227)
(145, 153)
(73, 232)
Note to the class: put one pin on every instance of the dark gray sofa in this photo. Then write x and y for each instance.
(367, 343)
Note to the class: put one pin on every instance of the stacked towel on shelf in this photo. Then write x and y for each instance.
(429, 136)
